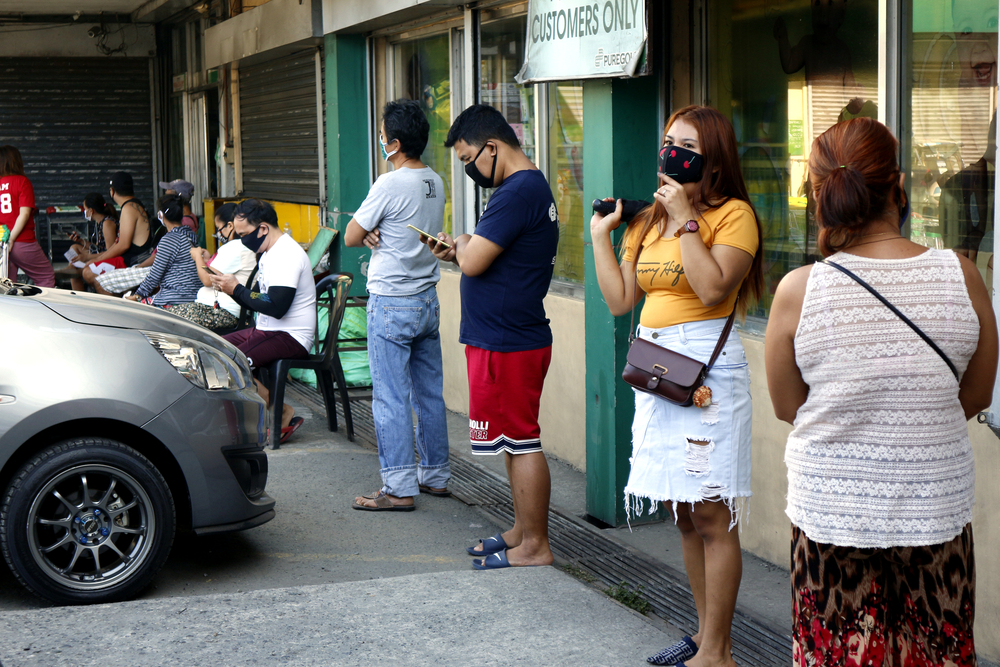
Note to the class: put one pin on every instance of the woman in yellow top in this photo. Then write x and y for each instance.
(691, 254)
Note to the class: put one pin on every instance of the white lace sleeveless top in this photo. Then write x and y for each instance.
(880, 453)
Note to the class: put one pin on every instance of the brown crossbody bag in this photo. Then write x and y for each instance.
(670, 375)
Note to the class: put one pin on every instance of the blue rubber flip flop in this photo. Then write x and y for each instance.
(674, 654)
(496, 561)
(491, 545)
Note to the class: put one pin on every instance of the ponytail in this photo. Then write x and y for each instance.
(95, 200)
(855, 176)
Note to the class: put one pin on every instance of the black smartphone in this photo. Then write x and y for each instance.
(630, 207)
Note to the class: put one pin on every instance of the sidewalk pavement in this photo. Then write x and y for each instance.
(530, 616)
(765, 591)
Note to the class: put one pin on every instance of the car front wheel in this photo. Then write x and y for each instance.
(87, 520)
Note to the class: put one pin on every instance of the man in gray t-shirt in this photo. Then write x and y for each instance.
(404, 349)
(411, 195)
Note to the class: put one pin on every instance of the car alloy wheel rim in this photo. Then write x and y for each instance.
(91, 527)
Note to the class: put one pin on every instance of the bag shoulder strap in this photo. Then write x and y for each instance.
(896, 311)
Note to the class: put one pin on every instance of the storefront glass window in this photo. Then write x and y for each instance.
(501, 54)
(550, 130)
(785, 73)
(565, 174)
(422, 73)
(952, 115)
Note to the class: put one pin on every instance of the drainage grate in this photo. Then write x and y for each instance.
(574, 541)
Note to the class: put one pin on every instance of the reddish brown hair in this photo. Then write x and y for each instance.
(855, 178)
(10, 162)
(721, 181)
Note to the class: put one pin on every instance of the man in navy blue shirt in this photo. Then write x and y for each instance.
(506, 269)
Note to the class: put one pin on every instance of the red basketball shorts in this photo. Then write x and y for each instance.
(504, 392)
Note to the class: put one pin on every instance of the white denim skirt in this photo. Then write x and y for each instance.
(690, 455)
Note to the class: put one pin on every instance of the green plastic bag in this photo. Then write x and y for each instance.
(355, 363)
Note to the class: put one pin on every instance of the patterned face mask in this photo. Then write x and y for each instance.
(680, 164)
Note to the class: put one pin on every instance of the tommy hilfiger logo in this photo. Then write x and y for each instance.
(479, 430)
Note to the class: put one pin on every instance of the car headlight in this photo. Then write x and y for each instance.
(203, 366)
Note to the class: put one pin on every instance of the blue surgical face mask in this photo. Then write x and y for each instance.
(383, 144)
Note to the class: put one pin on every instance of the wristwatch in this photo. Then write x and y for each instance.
(689, 226)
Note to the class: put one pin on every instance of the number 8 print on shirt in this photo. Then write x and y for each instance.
(16, 193)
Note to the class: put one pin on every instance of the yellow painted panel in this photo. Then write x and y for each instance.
(303, 220)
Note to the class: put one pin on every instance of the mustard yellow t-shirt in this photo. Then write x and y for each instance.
(669, 298)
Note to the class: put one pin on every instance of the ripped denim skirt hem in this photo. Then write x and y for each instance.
(691, 455)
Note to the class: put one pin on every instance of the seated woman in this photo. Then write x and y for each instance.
(213, 309)
(174, 272)
(136, 236)
(105, 219)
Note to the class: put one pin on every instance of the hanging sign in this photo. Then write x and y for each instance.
(569, 40)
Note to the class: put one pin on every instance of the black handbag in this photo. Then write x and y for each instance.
(906, 320)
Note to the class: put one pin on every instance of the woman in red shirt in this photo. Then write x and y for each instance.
(17, 205)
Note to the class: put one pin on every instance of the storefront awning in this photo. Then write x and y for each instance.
(569, 40)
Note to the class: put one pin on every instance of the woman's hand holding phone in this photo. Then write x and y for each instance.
(603, 225)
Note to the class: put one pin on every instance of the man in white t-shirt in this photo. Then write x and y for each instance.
(285, 304)
(404, 348)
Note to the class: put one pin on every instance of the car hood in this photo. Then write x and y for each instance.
(106, 311)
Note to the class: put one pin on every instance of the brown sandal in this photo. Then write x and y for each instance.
(382, 504)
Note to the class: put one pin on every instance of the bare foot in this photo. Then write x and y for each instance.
(521, 556)
(702, 660)
(287, 412)
(369, 501)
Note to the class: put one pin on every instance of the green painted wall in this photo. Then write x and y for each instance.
(620, 138)
(347, 146)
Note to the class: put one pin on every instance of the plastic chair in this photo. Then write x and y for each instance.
(326, 362)
(319, 246)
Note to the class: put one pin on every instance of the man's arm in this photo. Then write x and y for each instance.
(275, 302)
(474, 254)
(356, 236)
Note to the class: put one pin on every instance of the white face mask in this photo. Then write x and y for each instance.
(87, 216)
(159, 216)
(385, 155)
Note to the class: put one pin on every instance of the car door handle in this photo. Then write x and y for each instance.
(5, 399)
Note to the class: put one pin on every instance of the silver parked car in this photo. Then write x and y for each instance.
(119, 424)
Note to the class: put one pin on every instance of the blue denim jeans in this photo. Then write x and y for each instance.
(404, 351)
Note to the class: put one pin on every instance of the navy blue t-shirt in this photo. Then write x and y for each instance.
(502, 307)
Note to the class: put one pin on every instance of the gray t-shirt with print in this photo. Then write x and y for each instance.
(401, 265)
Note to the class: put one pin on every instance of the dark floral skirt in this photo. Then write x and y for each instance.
(215, 319)
(898, 607)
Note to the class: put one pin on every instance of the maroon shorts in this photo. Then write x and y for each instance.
(504, 392)
(265, 347)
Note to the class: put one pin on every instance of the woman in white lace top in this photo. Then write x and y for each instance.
(880, 468)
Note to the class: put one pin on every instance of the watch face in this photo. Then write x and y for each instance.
(691, 225)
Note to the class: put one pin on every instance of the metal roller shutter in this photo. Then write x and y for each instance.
(279, 131)
(76, 121)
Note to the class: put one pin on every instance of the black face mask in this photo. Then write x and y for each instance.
(472, 171)
(680, 164)
(252, 241)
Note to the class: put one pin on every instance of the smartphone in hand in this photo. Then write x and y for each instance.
(429, 236)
